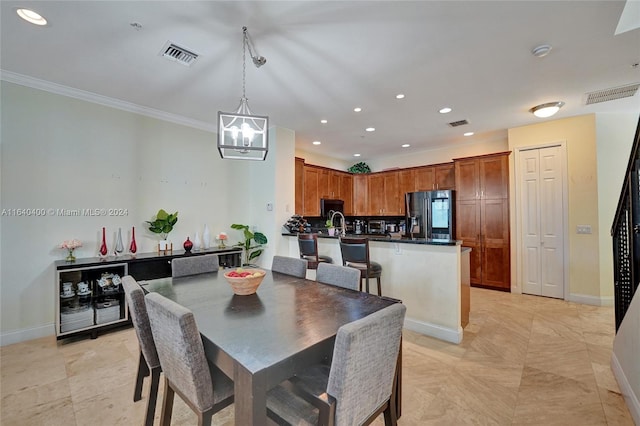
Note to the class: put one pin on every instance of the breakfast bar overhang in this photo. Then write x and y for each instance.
(431, 277)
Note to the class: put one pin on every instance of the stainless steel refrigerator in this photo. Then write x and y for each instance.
(430, 214)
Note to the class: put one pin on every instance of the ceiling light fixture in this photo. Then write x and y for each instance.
(542, 50)
(445, 110)
(546, 110)
(356, 155)
(316, 142)
(242, 135)
(357, 109)
(406, 145)
(370, 129)
(31, 16)
(468, 134)
(400, 96)
(324, 121)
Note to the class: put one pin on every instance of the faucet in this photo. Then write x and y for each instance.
(342, 227)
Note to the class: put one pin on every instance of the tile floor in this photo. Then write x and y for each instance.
(524, 360)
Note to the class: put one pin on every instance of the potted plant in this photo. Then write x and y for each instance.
(163, 224)
(331, 230)
(253, 242)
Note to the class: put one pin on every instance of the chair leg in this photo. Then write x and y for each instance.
(167, 404)
(367, 283)
(390, 416)
(379, 287)
(153, 396)
(143, 371)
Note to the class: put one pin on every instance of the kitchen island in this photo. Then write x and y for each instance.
(431, 277)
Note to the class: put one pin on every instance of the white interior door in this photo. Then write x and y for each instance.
(542, 210)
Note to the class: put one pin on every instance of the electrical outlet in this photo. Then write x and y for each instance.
(269, 207)
(583, 229)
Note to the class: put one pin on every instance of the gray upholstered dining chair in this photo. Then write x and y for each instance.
(308, 245)
(192, 265)
(341, 276)
(355, 254)
(359, 385)
(289, 266)
(202, 386)
(148, 362)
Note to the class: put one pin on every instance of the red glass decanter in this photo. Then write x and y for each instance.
(103, 246)
(133, 248)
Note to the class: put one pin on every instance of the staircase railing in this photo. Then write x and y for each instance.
(626, 267)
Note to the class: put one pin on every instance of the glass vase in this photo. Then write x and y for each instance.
(70, 257)
(103, 246)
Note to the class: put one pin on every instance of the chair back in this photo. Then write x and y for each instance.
(308, 244)
(354, 250)
(192, 265)
(180, 350)
(341, 276)
(289, 266)
(138, 311)
(364, 364)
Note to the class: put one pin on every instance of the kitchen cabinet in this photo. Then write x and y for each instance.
(482, 217)
(407, 182)
(311, 197)
(346, 192)
(424, 178)
(384, 194)
(430, 178)
(320, 182)
(360, 195)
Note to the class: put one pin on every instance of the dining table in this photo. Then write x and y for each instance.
(261, 339)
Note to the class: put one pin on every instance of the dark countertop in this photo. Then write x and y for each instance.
(389, 239)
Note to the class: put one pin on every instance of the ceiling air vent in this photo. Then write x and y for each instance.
(458, 123)
(178, 54)
(612, 94)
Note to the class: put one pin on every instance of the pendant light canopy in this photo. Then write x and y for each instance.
(241, 134)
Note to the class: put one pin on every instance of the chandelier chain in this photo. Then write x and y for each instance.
(244, 61)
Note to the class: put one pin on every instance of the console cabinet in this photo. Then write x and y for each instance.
(88, 294)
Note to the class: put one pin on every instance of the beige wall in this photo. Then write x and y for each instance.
(579, 134)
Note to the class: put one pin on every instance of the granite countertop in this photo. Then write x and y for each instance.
(389, 239)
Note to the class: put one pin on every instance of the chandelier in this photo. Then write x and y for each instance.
(241, 134)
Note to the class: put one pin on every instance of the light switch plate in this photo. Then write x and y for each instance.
(269, 207)
(583, 229)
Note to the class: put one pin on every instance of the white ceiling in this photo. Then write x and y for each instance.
(325, 58)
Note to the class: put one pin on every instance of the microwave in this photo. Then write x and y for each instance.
(377, 227)
(327, 205)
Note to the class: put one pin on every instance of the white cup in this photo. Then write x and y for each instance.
(83, 287)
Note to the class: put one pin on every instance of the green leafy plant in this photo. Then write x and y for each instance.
(163, 223)
(359, 168)
(329, 223)
(253, 242)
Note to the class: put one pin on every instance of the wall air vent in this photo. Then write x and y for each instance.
(458, 123)
(612, 94)
(178, 54)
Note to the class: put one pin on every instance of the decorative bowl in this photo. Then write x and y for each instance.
(244, 286)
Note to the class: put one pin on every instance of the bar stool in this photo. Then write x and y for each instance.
(355, 254)
(308, 244)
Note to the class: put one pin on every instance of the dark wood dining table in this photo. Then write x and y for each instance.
(265, 338)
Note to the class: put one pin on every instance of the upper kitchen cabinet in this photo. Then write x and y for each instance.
(311, 203)
(345, 185)
(360, 195)
(383, 190)
(445, 176)
(424, 178)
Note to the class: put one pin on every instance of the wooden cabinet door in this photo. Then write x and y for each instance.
(467, 179)
(376, 195)
(494, 177)
(468, 228)
(346, 192)
(424, 178)
(495, 243)
(391, 194)
(324, 191)
(299, 188)
(360, 195)
(445, 176)
(311, 205)
(406, 183)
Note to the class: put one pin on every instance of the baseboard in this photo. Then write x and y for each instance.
(586, 299)
(630, 398)
(433, 330)
(27, 334)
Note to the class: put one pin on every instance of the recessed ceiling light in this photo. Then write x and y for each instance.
(323, 121)
(468, 134)
(400, 96)
(405, 145)
(370, 129)
(445, 110)
(542, 50)
(316, 142)
(31, 16)
(357, 109)
(546, 110)
(356, 155)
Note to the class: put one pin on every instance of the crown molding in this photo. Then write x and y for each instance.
(83, 95)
